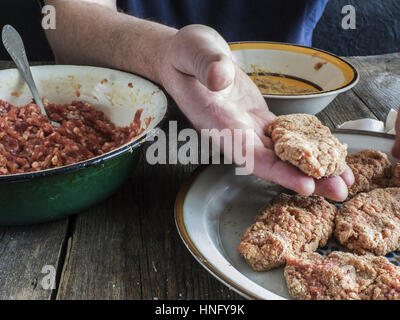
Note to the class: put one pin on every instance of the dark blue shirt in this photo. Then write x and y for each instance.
(237, 20)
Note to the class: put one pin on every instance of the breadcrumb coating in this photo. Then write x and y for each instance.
(395, 176)
(342, 276)
(287, 225)
(303, 141)
(371, 169)
(370, 222)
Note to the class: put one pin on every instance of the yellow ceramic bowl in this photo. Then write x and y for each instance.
(297, 79)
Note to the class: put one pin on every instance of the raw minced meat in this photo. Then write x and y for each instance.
(29, 142)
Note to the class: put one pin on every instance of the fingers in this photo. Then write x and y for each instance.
(396, 146)
(292, 178)
(266, 141)
(267, 166)
(201, 52)
(332, 188)
(348, 176)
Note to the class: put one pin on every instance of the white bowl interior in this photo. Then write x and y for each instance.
(118, 94)
(311, 67)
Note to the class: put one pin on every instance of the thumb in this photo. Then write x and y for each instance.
(201, 52)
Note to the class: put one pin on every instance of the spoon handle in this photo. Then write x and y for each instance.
(15, 47)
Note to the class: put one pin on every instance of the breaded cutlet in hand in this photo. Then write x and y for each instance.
(303, 141)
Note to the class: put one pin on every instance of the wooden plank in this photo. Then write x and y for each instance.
(347, 106)
(379, 86)
(375, 94)
(128, 247)
(389, 63)
(323, 116)
(104, 247)
(24, 251)
(7, 64)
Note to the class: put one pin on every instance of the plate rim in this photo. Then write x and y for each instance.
(190, 245)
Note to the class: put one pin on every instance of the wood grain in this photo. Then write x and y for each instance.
(379, 87)
(24, 251)
(347, 106)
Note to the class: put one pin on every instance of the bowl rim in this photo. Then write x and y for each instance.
(127, 147)
(344, 87)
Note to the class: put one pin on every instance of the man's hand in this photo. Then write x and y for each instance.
(396, 147)
(212, 91)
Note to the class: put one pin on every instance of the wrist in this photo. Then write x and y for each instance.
(161, 60)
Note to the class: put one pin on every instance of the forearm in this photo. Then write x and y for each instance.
(92, 34)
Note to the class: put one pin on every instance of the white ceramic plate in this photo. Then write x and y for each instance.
(214, 207)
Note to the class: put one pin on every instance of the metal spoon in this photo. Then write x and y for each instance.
(15, 47)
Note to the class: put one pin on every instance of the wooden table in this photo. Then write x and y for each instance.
(127, 247)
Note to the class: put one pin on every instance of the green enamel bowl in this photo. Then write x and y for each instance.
(55, 193)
